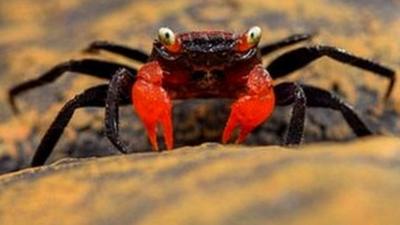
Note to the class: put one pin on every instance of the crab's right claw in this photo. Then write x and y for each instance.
(152, 103)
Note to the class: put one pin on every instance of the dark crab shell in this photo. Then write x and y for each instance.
(208, 65)
(205, 51)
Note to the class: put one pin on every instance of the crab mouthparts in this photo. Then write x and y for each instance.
(206, 78)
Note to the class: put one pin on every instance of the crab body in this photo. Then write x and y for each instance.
(210, 64)
(207, 66)
(204, 65)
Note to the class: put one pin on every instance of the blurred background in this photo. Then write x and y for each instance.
(36, 35)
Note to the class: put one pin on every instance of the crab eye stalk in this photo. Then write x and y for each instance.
(249, 39)
(167, 37)
(254, 35)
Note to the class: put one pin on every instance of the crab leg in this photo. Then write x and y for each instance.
(152, 103)
(253, 106)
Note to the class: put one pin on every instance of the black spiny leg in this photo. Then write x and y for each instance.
(298, 58)
(292, 93)
(315, 97)
(291, 40)
(120, 85)
(92, 97)
(117, 49)
(92, 67)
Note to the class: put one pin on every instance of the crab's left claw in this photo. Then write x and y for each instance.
(253, 107)
(152, 103)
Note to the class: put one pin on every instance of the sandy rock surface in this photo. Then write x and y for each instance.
(37, 36)
(355, 183)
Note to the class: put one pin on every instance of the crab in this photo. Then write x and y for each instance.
(206, 64)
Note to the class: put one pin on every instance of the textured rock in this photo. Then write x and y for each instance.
(352, 183)
(37, 36)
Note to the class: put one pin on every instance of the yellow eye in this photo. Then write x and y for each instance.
(166, 36)
(253, 35)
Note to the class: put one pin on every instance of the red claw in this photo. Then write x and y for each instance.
(253, 107)
(153, 104)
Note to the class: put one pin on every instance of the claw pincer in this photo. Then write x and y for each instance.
(253, 107)
(152, 103)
